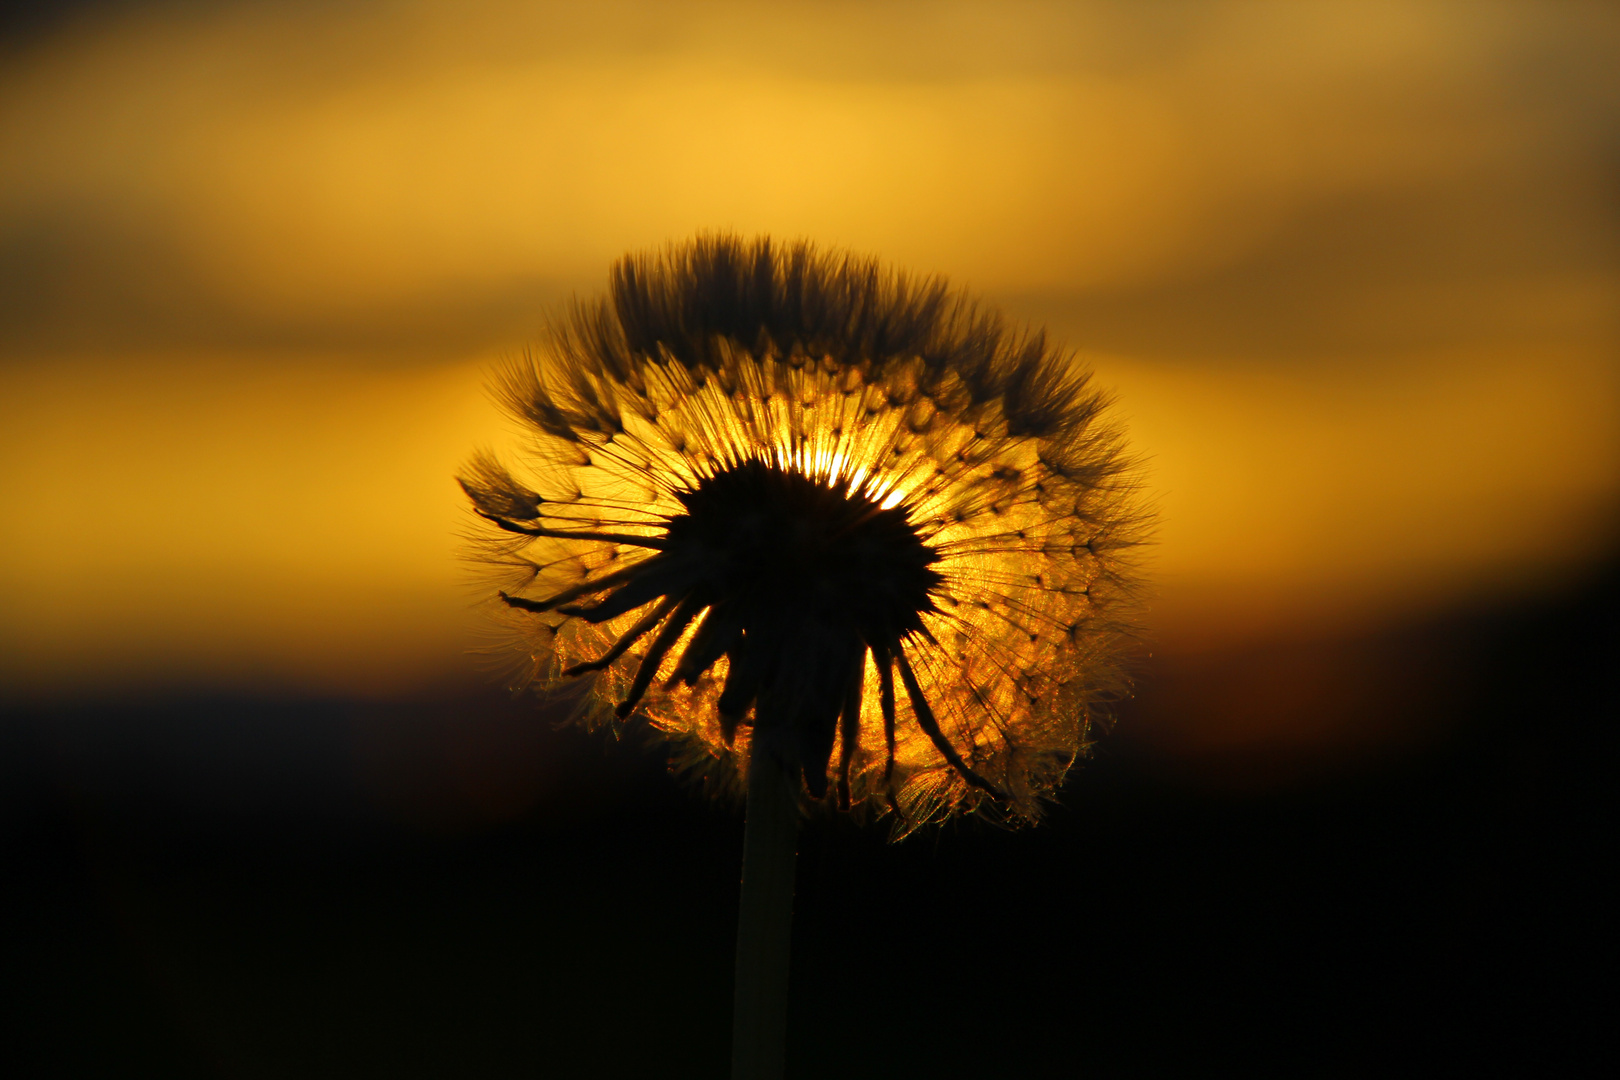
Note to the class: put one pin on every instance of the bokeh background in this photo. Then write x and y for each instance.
(1350, 270)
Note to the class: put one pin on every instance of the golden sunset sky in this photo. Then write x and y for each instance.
(1352, 271)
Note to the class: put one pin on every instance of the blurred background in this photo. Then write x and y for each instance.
(1350, 270)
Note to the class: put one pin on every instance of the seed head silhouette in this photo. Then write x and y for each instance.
(791, 502)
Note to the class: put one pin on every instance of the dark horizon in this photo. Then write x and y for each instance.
(246, 887)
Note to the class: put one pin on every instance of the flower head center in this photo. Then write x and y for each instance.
(792, 550)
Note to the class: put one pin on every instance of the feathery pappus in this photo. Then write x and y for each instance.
(789, 501)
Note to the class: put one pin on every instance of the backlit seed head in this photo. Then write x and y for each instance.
(790, 502)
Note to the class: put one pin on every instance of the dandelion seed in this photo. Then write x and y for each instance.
(788, 502)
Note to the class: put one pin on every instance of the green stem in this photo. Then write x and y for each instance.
(764, 922)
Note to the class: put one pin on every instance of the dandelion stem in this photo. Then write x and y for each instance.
(764, 921)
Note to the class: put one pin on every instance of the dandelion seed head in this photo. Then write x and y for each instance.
(787, 501)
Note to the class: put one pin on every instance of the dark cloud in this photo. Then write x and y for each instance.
(1500, 261)
(77, 282)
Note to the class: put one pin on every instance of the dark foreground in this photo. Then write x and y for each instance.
(267, 888)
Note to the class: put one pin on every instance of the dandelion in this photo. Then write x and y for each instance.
(790, 506)
(786, 499)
